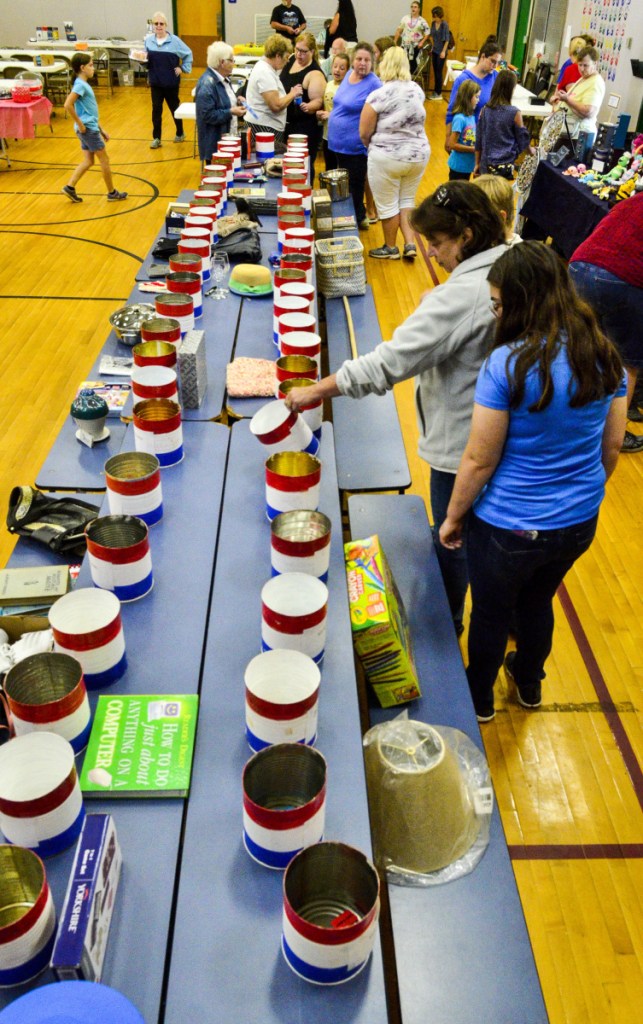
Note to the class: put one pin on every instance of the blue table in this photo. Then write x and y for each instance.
(226, 960)
(164, 636)
(369, 444)
(72, 466)
(462, 950)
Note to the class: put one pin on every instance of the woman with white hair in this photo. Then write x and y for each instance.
(167, 59)
(392, 127)
(216, 102)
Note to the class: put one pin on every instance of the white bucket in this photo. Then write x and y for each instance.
(41, 806)
(284, 802)
(281, 430)
(302, 343)
(87, 625)
(282, 691)
(293, 614)
(154, 382)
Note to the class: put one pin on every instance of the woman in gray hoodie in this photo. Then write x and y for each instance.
(442, 344)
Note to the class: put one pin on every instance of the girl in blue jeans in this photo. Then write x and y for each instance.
(547, 427)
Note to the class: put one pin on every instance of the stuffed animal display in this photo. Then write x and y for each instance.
(621, 181)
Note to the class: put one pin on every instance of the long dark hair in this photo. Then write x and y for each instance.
(542, 312)
(503, 88)
(457, 205)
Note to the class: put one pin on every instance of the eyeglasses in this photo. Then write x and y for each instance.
(496, 307)
(161, 23)
(300, 51)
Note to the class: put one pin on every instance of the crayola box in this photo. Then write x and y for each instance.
(378, 621)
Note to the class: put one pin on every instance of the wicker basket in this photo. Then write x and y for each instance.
(340, 266)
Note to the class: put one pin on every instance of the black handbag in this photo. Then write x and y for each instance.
(165, 247)
(57, 522)
(242, 246)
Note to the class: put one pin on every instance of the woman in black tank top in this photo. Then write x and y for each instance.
(304, 70)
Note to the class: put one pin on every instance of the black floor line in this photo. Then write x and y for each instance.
(73, 238)
(70, 298)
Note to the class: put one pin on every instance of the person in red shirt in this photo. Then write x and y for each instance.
(607, 271)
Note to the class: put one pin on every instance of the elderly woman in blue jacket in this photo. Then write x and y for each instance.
(216, 102)
(167, 59)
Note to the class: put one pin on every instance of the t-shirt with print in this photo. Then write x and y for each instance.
(291, 16)
(464, 125)
(86, 106)
(413, 31)
(399, 132)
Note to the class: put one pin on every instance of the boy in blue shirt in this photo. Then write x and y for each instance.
(82, 108)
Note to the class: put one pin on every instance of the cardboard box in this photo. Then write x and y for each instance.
(175, 218)
(16, 625)
(79, 950)
(378, 620)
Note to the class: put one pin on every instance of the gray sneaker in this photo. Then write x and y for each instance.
(179, 138)
(385, 252)
(155, 144)
(116, 195)
(71, 193)
(632, 442)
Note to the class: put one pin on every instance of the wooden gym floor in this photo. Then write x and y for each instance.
(567, 777)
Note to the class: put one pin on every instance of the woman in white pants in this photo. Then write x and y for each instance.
(392, 127)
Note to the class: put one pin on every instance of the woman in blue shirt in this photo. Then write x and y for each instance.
(167, 59)
(440, 47)
(343, 125)
(547, 428)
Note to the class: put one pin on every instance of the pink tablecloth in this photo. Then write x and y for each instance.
(17, 120)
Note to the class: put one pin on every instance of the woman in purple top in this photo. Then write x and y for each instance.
(343, 125)
(440, 47)
(501, 135)
(484, 73)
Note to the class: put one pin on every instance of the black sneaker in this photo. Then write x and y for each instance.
(528, 696)
(631, 442)
(385, 252)
(486, 714)
(71, 193)
(114, 195)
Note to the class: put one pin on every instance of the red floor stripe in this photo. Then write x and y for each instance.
(598, 682)
(581, 851)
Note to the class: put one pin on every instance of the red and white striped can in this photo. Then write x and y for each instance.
(288, 198)
(300, 153)
(293, 614)
(87, 625)
(264, 145)
(134, 485)
(177, 305)
(306, 193)
(161, 328)
(214, 190)
(302, 289)
(289, 304)
(198, 247)
(209, 213)
(154, 353)
(294, 176)
(302, 235)
(300, 542)
(282, 691)
(188, 262)
(298, 139)
(47, 691)
(154, 382)
(193, 220)
(228, 146)
(302, 343)
(284, 802)
(296, 322)
(158, 430)
(118, 551)
(288, 275)
(288, 220)
(331, 912)
(188, 283)
(280, 429)
(27, 916)
(294, 163)
(292, 482)
(224, 160)
(292, 367)
(298, 261)
(41, 807)
(313, 413)
(297, 246)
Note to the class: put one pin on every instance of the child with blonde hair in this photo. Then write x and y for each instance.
(501, 195)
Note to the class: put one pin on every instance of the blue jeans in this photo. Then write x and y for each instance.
(453, 564)
(618, 306)
(516, 572)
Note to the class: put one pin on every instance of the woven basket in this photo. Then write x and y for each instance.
(340, 266)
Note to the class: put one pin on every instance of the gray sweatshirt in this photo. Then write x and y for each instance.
(443, 344)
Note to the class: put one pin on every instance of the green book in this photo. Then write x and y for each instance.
(141, 746)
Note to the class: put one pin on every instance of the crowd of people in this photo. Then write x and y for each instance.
(523, 366)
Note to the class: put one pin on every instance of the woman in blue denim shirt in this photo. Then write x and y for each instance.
(547, 428)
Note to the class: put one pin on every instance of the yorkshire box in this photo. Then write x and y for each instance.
(87, 914)
(378, 620)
